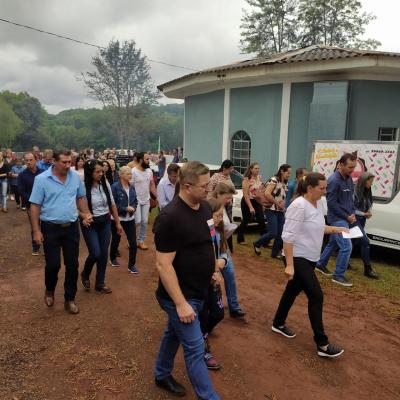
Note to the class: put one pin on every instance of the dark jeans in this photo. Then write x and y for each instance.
(15, 192)
(97, 238)
(35, 246)
(192, 341)
(130, 232)
(363, 242)
(304, 280)
(246, 215)
(212, 312)
(57, 238)
(276, 220)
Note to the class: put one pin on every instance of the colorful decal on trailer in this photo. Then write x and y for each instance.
(379, 159)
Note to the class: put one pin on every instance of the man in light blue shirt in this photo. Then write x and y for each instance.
(166, 186)
(57, 197)
(47, 161)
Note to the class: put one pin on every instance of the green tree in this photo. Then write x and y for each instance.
(10, 124)
(269, 27)
(28, 109)
(33, 117)
(121, 81)
(334, 23)
(273, 26)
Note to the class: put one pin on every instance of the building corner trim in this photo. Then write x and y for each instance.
(225, 132)
(284, 131)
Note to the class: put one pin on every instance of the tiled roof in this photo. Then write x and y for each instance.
(307, 54)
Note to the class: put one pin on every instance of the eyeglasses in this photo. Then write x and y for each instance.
(204, 187)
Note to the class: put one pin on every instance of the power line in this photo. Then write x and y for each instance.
(86, 43)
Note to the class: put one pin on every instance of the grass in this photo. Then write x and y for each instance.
(384, 262)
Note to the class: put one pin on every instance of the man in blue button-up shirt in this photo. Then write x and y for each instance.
(341, 212)
(57, 197)
(166, 186)
(47, 161)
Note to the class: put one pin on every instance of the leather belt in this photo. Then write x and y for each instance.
(64, 225)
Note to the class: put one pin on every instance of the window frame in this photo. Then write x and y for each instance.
(240, 150)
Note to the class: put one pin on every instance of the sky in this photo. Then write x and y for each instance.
(192, 33)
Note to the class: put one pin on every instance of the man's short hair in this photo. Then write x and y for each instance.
(48, 151)
(27, 154)
(173, 168)
(63, 152)
(347, 156)
(191, 171)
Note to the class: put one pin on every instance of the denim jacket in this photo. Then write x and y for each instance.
(340, 197)
(121, 198)
(217, 248)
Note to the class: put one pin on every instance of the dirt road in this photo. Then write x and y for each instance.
(108, 350)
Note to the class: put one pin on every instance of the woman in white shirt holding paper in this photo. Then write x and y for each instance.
(302, 236)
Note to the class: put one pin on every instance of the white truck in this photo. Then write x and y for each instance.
(382, 159)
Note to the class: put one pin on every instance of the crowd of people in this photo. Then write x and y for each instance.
(67, 194)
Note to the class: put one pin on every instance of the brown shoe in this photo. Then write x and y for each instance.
(71, 307)
(142, 246)
(103, 289)
(49, 298)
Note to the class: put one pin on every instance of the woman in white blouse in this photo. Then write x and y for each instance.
(302, 236)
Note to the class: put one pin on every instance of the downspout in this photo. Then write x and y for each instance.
(347, 133)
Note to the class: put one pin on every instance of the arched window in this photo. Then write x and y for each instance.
(241, 151)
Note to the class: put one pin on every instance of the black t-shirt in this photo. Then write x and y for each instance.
(5, 169)
(178, 228)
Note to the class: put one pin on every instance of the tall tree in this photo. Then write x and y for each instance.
(269, 27)
(121, 81)
(334, 23)
(28, 109)
(273, 26)
(10, 124)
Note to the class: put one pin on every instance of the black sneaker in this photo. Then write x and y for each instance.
(331, 352)
(323, 270)
(285, 331)
(342, 281)
(115, 263)
(133, 270)
(257, 250)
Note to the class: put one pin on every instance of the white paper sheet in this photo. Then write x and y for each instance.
(353, 234)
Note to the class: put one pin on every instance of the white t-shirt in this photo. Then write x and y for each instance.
(141, 181)
(304, 227)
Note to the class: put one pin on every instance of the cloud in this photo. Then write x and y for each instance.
(192, 33)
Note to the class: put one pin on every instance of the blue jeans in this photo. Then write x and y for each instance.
(337, 242)
(363, 242)
(3, 192)
(141, 219)
(230, 285)
(97, 237)
(276, 220)
(191, 338)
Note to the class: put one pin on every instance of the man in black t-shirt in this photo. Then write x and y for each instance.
(185, 261)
